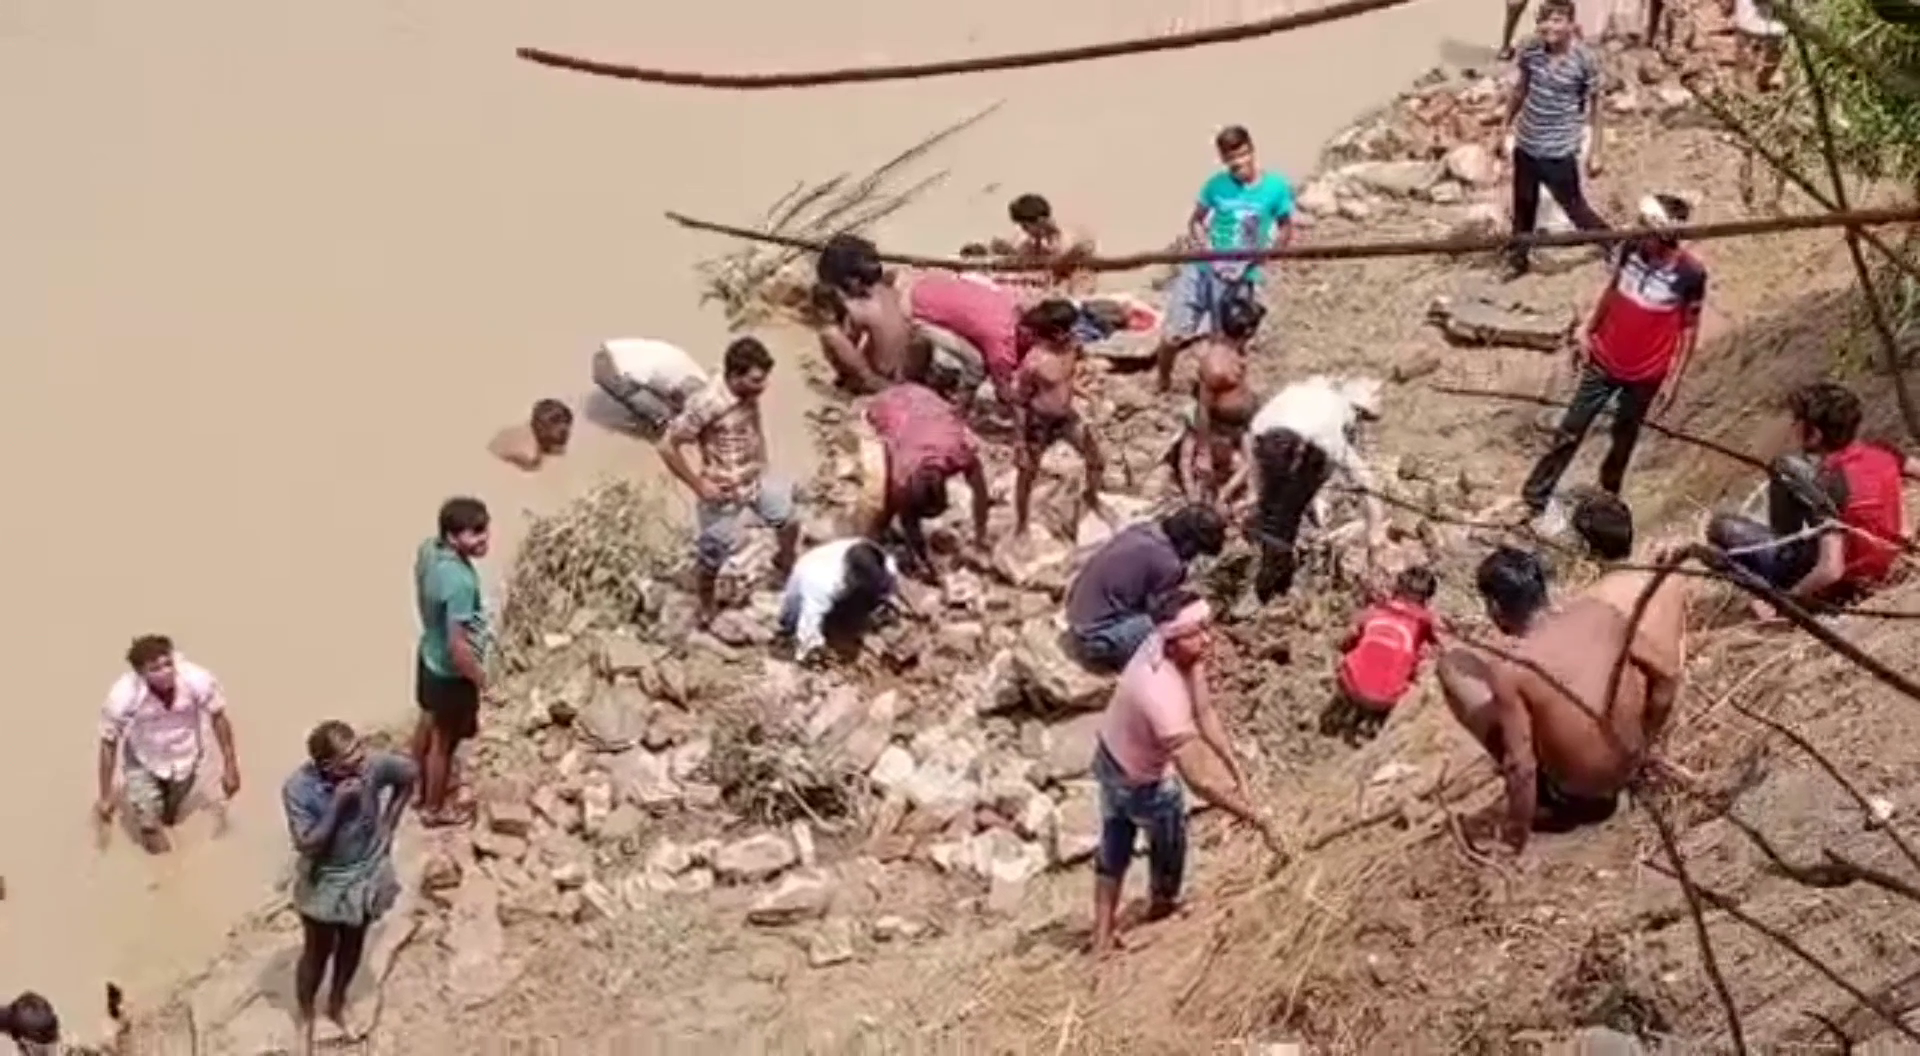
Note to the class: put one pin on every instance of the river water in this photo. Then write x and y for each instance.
(271, 273)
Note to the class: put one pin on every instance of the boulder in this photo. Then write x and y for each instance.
(1051, 677)
(870, 737)
(1035, 820)
(1473, 165)
(754, 858)
(1399, 179)
(644, 778)
(614, 720)
(1318, 198)
(1076, 824)
(940, 793)
(1478, 319)
(620, 656)
(893, 769)
(1070, 745)
(997, 687)
(799, 896)
(509, 817)
(624, 823)
(1038, 560)
(1446, 192)
(742, 627)
(831, 944)
(478, 969)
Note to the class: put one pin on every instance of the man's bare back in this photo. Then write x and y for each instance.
(880, 315)
(1046, 383)
(1577, 646)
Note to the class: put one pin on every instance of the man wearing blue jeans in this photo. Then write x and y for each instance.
(1131, 579)
(723, 419)
(1160, 722)
(1240, 207)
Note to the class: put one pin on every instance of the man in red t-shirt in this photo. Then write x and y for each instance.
(1837, 479)
(1384, 648)
(1635, 346)
(925, 442)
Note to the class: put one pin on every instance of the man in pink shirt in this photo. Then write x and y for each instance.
(1161, 721)
(986, 315)
(150, 731)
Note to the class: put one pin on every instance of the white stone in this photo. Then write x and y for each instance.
(892, 769)
(754, 858)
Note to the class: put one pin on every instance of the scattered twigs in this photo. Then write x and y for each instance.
(947, 67)
(1876, 310)
(1731, 908)
(1834, 871)
(1354, 250)
(1695, 895)
(1895, 82)
(1820, 759)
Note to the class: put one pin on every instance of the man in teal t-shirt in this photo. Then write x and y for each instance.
(1240, 207)
(449, 673)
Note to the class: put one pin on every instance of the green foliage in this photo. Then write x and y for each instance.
(1868, 68)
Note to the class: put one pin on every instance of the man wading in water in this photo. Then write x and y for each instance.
(150, 733)
(343, 829)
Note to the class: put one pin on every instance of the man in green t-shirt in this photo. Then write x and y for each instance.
(449, 675)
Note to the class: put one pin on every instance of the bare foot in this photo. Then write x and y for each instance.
(155, 841)
(447, 816)
(1104, 947)
(1160, 909)
(305, 1032)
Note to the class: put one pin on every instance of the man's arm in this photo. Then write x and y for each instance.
(848, 358)
(1689, 340)
(685, 430)
(1660, 662)
(977, 487)
(1518, 764)
(1212, 733)
(807, 636)
(313, 831)
(400, 776)
(1349, 462)
(463, 614)
(1197, 223)
(1518, 99)
(1596, 93)
(1194, 762)
(229, 752)
(1238, 482)
(115, 715)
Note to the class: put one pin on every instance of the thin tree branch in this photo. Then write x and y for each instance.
(1352, 250)
(946, 67)
(1695, 895)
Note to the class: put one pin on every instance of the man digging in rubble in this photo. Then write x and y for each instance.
(874, 332)
(835, 589)
(1160, 721)
(1836, 514)
(724, 420)
(1565, 758)
(1134, 581)
(912, 442)
(1205, 456)
(867, 337)
(1044, 415)
(1304, 435)
(1635, 347)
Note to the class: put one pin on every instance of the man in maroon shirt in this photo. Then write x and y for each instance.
(923, 442)
(1635, 346)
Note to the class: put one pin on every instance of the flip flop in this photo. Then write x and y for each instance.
(448, 817)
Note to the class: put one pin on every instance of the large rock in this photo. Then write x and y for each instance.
(1400, 179)
(1318, 198)
(614, 720)
(754, 858)
(1076, 824)
(941, 793)
(893, 769)
(996, 687)
(1479, 319)
(644, 778)
(621, 656)
(831, 944)
(863, 745)
(1037, 560)
(1070, 746)
(1052, 678)
(478, 969)
(799, 896)
(1473, 165)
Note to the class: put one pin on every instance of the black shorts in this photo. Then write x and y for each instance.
(454, 702)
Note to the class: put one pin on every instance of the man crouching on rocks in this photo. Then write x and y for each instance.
(1161, 720)
(1561, 772)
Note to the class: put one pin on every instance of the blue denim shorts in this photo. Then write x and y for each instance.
(720, 522)
(1160, 808)
(1108, 645)
(1194, 299)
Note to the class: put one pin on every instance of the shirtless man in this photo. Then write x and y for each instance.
(1043, 409)
(1057, 248)
(1204, 457)
(544, 435)
(866, 334)
(1565, 759)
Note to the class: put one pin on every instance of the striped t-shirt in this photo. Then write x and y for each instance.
(1558, 86)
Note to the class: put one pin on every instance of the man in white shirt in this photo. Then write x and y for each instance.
(150, 733)
(836, 585)
(651, 379)
(1302, 436)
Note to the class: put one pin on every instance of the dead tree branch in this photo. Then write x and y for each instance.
(1695, 895)
(1355, 250)
(1731, 907)
(947, 67)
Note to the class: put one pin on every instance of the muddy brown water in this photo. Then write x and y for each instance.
(271, 273)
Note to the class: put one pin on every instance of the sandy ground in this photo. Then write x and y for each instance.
(274, 272)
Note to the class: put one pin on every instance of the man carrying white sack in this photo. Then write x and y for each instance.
(650, 379)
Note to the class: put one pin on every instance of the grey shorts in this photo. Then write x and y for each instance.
(1194, 300)
(720, 522)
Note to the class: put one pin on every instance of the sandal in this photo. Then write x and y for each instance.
(447, 816)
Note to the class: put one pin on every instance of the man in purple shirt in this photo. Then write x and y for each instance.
(1130, 583)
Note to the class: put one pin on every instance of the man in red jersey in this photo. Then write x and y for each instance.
(1635, 346)
(1385, 646)
(1836, 517)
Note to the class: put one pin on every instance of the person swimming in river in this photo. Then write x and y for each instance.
(1043, 391)
(1204, 457)
(544, 435)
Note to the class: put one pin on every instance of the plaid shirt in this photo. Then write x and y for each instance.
(733, 452)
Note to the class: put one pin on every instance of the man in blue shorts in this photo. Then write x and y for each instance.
(1241, 207)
